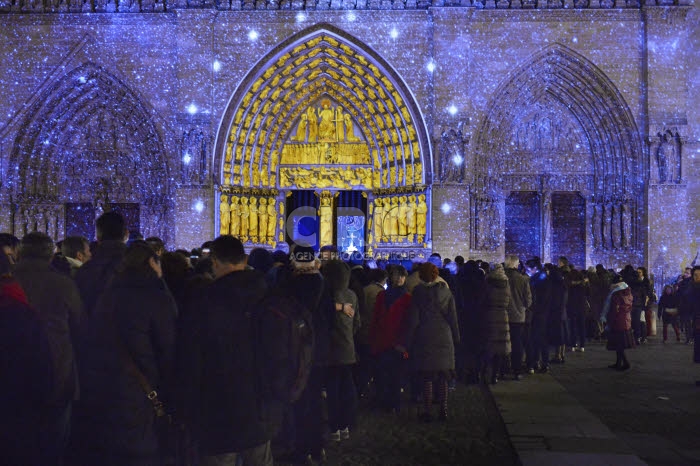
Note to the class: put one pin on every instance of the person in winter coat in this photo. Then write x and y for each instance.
(498, 331)
(27, 371)
(668, 311)
(617, 312)
(541, 287)
(599, 279)
(340, 386)
(691, 301)
(576, 305)
(222, 392)
(431, 334)
(364, 368)
(520, 302)
(133, 325)
(385, 332)
(557, 324)
(56, 300)
(94, 276)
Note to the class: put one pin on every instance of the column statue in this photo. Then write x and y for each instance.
(253, 220)
(403, 217)
(235, 223)
(421, 218)
(626, 225)
(339, 124)
(411, 218)
(245, 215)
(224, 216)
(607, 223)
(271, 221)
(394, 219)
(378, 219)
(616, 226)
(262, 221)
(325, 213)
(350, 129)
(595, 227)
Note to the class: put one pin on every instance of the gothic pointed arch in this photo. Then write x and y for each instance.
(323, 68)
(88, 138)
(558, 100)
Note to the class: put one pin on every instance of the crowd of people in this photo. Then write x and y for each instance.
(109, 347)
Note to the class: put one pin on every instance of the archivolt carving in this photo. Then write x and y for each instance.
(86, 128)
(309, 69)
(589, 97)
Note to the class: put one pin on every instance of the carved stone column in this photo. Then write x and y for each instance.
(325, 218)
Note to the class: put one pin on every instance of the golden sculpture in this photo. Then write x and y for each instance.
(262, 221)
(403, 217)
(253, 220)
(421, 217)
(325, 213)
(350, 129)
(235, 222)
(394, 219)
(280, 236)
(271, 223)
(411, 217)
(224, 216)
(245, 215)
(301, 129)
(325, 177)
(312, 121)
(326, 128)
(378, 218)
(339, 120)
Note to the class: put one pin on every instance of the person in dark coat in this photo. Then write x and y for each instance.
(472, 322)
(690, 301)
(431, 334)
(668, 311)
(520, 302)
(302, 435)
(133, 324)
(340, 386)
(576, 305)
(617, 313)
(56, 299)
(222, 400)
(27, 370)
(557, 323)
(94, 276)
(385, 331)
(600, 287)
(498, 346)
(540, 285)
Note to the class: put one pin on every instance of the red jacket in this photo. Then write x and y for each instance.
(619, 315)
(386, 327)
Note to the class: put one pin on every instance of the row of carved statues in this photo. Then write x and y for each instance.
(398, 219)
(47, 219)
(253, 219)
(611, 226)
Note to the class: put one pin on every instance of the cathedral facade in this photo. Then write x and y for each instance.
(472, 127)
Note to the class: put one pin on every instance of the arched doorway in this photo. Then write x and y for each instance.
(88, 144)
(558, 128)
(324, 113)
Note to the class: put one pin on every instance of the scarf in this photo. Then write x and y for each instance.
(606, 307)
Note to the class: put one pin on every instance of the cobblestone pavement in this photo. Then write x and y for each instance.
(473, 435)
(654, 407)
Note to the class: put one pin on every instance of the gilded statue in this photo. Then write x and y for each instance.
(256, 85)
(403, 217)
(312, 121)
(350, 129)
(378, 218)
(339, 123)
(326, 128)
(394, 219)
(421, 217)
(224, 216)
(325, 214)
(253, 220)
(245, 214)
(235, 217)
(411, 217)
(280, 236)
(301, 129)
(262, 220)
(271, 223)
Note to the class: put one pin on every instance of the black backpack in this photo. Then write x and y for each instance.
(285, 348)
